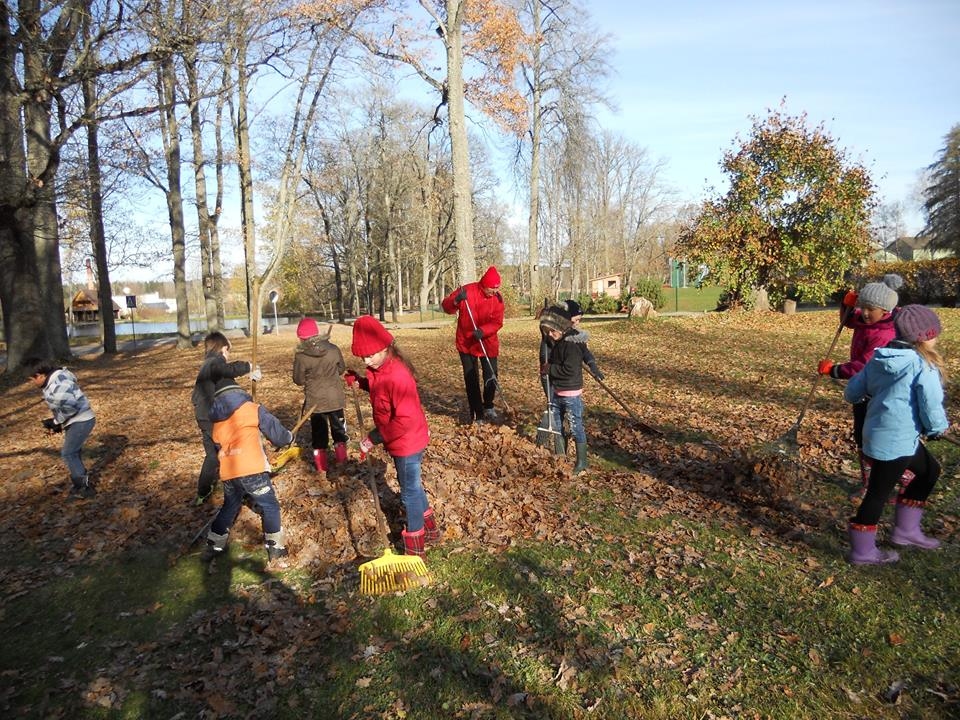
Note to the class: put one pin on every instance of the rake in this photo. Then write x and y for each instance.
(390, 572)
(507, 410)
(547, 435)
(788, 444)
(644, 427)
(292, 451)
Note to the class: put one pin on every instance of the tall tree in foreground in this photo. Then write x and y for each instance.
(942, 196)
(796, 216)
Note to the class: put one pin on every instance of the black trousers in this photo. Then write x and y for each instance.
(884, 476)
(478, 399)
(323, 425)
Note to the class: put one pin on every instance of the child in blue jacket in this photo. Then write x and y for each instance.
(903, 386)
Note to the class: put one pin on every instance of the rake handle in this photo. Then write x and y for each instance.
(816, 382)
(483, 349)
(643, 426)
(381, 522)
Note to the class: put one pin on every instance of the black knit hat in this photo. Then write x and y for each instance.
(571, 309)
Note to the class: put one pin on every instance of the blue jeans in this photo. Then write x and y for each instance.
(263, 501)
(572, 409)
(74, 436)
(411, 489)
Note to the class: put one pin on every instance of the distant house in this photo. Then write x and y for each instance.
(907, 248)
(85, 307)
(606, 285)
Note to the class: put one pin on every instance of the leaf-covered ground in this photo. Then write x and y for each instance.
(723, 389)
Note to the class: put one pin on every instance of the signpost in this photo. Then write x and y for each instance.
(132, 305)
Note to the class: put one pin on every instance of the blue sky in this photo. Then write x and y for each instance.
(883, 77)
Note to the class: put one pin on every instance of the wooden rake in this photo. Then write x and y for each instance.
(390, 572)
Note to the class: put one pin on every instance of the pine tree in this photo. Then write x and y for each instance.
(942, 196)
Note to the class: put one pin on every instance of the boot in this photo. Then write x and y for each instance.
(82, 489)
(431, 532)
(581, 458)
(216, 545)
(340, 453)
(863, 546)
(413, 543)
(320, 460)
(906, 530)
(276, 551)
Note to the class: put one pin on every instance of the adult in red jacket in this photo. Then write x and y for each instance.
(480, 318)
(400, 423)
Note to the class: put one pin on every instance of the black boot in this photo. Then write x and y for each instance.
(82, 489)
(581, 458)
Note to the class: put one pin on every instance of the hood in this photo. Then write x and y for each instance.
(577, 336)
(895, 361)
(226, 404)
(316, 346)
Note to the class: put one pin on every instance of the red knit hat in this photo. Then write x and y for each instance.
(369, 336)
(307, 328)
(490, 279)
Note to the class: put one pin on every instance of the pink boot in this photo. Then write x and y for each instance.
(320, 460)
(340, 453)
(413, 543)
(907, 530)
(863, 547)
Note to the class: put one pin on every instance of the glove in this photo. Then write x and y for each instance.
(850, 299)
(366, 445)
(52, 425)
(351, 378)
(461, 295)
(595, 371)
(824, 367)
(255, 374)
(544, 368)
(478, 334)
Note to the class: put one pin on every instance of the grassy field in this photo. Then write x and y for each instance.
(688, 575)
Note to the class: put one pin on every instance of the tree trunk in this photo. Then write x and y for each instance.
(170, 131)
(533, 221)
(459, 146)
(108, 330)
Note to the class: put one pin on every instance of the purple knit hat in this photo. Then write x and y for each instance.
(916, 323)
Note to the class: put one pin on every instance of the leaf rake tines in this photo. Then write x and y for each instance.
(393, 573)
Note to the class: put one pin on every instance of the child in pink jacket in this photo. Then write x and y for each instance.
(870, 314)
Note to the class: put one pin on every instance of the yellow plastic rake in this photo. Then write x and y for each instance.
(390, 572)
(292, 451)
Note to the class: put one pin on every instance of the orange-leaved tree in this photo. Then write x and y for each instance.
(795, 219)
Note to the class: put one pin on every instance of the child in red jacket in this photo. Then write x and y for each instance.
(870, 315)
(480, 308)
(400, 423)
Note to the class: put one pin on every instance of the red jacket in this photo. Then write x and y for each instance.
(866, 339)
(487, 314)
(397, 411)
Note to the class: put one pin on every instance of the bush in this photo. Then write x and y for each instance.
(649, 288)
(924, 281)
(603, 304)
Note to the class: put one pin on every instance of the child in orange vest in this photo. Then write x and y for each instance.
(244, 469)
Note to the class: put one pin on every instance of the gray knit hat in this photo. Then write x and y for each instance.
(881, 294)
(916, 323)
(553, 319)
